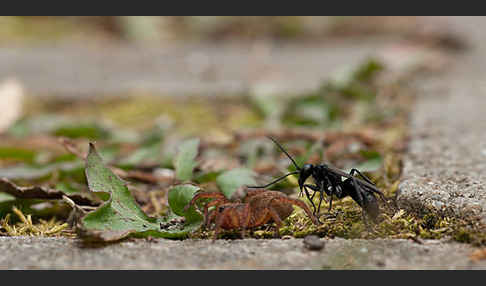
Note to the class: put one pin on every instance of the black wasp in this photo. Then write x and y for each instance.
(329, 180)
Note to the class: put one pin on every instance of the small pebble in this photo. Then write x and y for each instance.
(313, 242)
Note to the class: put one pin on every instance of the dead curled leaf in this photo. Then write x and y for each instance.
(44, 193)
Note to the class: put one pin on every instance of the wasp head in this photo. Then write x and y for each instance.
(305, 173)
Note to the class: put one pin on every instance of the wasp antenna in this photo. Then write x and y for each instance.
(273, 182)
(283, 150)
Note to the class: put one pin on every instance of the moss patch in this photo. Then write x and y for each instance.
(26, 227)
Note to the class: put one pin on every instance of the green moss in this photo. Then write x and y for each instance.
(27, 227)
(472, 232)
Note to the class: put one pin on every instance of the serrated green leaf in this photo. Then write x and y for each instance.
(230, 181)
(120, 216)
(184, 161)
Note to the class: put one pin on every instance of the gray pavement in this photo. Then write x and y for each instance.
(445, 169)
(204, 69)
(58, 253)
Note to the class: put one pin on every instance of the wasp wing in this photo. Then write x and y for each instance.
(346, 175)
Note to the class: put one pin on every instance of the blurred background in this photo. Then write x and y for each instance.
(159, 30)
(87, 55)
(81, 58)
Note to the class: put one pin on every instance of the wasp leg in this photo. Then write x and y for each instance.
(321, 196)
(321, 191)
(333, 189)
(382, 196)
(359, 196)
(361, 175)
(310, 198)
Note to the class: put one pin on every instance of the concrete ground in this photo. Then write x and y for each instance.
(205, 69)
(444, 169)
(59, 253)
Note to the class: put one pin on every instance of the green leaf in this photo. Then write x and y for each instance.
(120, 216)
(184, 161)
(179, 197)
(207, 177)
(145, 155)
(230, 181)
(312, 110)
(149, 151)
